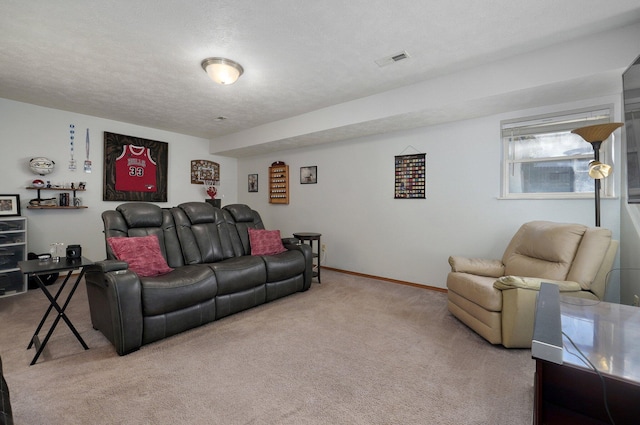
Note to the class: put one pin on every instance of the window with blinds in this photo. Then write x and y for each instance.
(543, 159)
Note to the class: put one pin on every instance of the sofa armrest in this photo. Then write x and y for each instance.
(293, 244)
(477, 266)
(533, 283)
(115, 303)
(290, 241)
(519, 306)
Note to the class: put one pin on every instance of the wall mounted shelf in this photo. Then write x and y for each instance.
(279, 184)
(56, 207)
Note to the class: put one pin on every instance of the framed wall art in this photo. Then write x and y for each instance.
(309, 175)
(252, 183)
(9, 205)
(204, 170)
(411, 176)
(135, 169)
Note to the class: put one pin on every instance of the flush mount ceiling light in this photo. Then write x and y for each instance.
(221, 70)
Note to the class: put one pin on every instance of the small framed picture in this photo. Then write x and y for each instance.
(253, 183)
(9, 205)
(309, 175)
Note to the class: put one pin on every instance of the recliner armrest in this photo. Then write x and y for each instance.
(115, 303)
(533, 283)
(477, 266)
(111, 265)
(290, 241)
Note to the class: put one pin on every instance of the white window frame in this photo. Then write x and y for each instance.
(559, 121)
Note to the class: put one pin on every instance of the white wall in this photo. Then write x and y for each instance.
(366, 230)
(27, 131)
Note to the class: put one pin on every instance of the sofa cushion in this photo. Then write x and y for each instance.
(543, 249)
(204, 234)
(241, 213)
(265, 242)
(284, 265)
(141, 253)
(141, 214)
(595, 244)
(184, 287)
(239, 274)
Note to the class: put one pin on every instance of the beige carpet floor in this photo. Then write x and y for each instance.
(351, 350)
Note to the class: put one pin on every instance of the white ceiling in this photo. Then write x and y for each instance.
(138, 61)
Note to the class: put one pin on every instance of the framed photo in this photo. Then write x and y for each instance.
(135, 169)
(9, 205)
(253, 182)
(204, 170)
(309, 175)
(411, 176)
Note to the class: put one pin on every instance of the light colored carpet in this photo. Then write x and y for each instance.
(351, 350)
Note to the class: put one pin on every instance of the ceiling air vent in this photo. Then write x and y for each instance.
(397, 57)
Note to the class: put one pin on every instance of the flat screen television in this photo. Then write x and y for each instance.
(631, 102)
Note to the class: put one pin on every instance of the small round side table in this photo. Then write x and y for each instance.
(310, 236)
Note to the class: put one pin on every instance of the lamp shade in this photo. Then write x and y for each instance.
(598, 132)
(221, 70)
(598, 170)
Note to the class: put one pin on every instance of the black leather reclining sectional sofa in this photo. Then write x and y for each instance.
(6, 416)
(214, 274)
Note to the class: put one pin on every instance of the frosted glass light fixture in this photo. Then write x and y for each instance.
(222, 71)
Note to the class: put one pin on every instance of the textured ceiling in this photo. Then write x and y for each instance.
(138, 61)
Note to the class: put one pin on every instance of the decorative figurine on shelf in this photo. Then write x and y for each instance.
(210, 189)
(212, 192)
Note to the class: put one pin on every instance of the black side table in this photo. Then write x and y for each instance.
(309, 236)
(35, 268)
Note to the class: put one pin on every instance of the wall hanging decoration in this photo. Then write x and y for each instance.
(72, 136)
(279, 183)
(87, 146)
(202, 169)
(135, 169)
(41, 165)
(210, 188)
(253, 183)
(309, 175)
(9, 205)
(411, 176)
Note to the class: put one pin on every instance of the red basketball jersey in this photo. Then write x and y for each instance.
(135, 170)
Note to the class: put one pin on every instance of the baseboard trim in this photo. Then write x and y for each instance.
(386, 279)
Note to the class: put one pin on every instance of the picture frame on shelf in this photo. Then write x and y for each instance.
(252, 183)
(9, 205)
(309, 175)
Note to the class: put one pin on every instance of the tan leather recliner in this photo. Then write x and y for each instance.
(496, 298)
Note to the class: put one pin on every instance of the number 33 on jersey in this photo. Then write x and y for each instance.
(136, 170)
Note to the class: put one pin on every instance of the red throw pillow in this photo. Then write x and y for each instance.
(142, 253)
(265, 242)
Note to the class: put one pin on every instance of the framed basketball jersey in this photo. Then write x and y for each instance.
(135, 169)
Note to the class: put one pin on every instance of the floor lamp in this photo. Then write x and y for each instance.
(596, 134)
